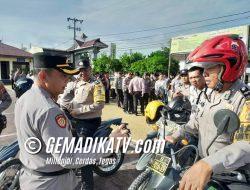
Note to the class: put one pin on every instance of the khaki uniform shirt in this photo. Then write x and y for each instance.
(37, 115)
(193, 95)
(79, 96)
(183, 88)
(223, 154)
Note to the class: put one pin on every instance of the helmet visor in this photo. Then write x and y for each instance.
(205, 65)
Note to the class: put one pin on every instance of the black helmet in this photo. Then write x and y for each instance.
(22, 85)
(183, 72)
(84, 62)
(179, 109)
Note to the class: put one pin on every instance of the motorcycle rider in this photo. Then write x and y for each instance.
(224, 59)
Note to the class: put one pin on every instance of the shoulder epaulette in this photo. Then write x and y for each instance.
(245, 92)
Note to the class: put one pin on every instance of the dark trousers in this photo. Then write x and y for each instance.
(107, 95)
(12, 84)
(119, 97)
(137, 96)
(87, 128)
(145, 99)
(152, 95)
(128, 102)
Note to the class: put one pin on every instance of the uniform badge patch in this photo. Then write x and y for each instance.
(235, 46)
(244, 131)
(61, 120)
(246, 92)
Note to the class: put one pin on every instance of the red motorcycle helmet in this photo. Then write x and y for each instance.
(227, 50)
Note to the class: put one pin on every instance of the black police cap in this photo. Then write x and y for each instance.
(183, 72)
(50, 61)
(83, 64)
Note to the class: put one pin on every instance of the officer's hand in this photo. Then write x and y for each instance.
(121, 131)
(74, 112)
(170, 139)
(177, 94)
(196, 177)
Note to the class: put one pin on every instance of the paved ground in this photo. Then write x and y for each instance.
(127, 173)
(137, 124)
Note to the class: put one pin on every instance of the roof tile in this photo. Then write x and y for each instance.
(10, 51)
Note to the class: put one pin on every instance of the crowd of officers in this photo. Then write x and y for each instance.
(132, 89)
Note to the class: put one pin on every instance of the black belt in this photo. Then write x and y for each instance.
(55, 173)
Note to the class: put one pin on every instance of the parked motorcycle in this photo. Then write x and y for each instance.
(104, 130)
(108, 169)
(164, 171)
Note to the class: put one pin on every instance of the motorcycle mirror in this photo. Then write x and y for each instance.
(226, 121)
(164, 111)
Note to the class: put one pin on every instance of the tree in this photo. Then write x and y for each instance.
(102, 64)
(106, 64)
(116, 65)
(127, 60)
(138, 66)
(136, 57)
(136, 62)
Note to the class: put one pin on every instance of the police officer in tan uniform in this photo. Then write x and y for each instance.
(182, 88)
(86, 109)
(198, 87)
(38, 118)
(222, 74)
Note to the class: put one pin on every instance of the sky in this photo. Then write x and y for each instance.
(148, 24)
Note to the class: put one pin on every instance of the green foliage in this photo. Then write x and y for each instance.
(106, 64)
(102, 64)
(156, 62)
(116, 65)
(126, 61)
